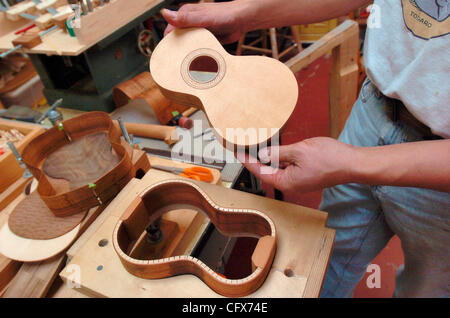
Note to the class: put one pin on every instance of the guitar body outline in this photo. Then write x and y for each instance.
(247, 103)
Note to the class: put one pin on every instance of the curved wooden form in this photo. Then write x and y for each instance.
(83, 197)
(253, 95)
(143, 86)
(173, 194)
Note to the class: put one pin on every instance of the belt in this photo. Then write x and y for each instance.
(88, 196)
(398, 112)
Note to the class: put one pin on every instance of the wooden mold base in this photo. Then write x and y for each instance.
(303, 249)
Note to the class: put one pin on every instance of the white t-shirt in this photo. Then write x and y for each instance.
(407, 56)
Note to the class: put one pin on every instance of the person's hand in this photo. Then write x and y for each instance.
(223, 19)
(309, 165)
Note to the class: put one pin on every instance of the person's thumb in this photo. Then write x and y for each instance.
(169, 15)
(182, 19)
(277, 154)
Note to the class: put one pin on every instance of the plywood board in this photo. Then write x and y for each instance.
(303, 249)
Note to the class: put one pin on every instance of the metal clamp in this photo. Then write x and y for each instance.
(26, 174)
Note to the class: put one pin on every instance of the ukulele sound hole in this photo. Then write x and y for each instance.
(203, 69)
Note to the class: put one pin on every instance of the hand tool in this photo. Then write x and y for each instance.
(195, 173)
(161, 132)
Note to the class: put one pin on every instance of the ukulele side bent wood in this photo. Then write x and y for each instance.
(173, 194)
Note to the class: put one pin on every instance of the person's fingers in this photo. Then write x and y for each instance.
(277, 154)
(185, 18)
(169, 29)
(168, 15)
(267, 174)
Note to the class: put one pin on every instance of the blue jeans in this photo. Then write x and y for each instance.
(366, 217)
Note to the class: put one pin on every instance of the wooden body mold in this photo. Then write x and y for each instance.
(173, 194)
(247, 99)
(84, 196)
(79, 165)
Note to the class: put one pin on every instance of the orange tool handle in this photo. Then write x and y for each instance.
(198, 173)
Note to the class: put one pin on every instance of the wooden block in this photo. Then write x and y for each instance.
(44, 21)
(14, 12)
(303, 249)
(44, 5)
(63, 12)
(34, 279)
(27, 40)
(145, 250)
(8, 270)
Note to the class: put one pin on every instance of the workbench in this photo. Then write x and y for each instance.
(298, 269)
(84, 71)
(303, 249)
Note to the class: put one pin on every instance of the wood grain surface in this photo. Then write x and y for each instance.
(249, 100)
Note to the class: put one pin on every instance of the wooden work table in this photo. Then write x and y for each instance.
(59, 42)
